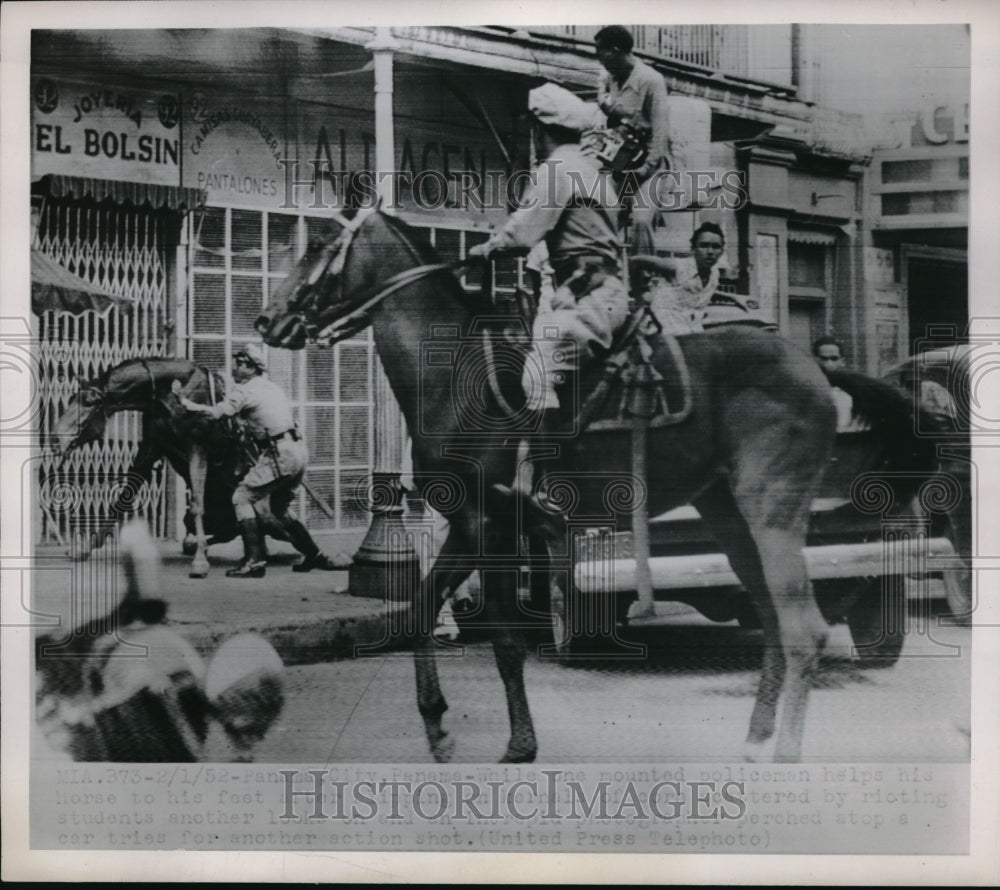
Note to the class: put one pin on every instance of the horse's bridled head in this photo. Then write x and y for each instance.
(82, 422)
(90, 397)
(288, 331)
(282, 323)
(299, 301)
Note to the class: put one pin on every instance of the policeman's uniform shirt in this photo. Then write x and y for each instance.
(264, 408)
(568, 180)
(260, 404)
(641, 102)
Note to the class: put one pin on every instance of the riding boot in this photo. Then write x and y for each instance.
(313, 557)
(546, 448)
(253, 566)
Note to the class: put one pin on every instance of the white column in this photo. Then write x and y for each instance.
(385, 143)
(385, 565)
(388, 418)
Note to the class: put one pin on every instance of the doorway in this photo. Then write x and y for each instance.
(937, 289)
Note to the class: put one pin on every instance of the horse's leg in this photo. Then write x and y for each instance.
(430, 700)
(802, 631)
(720, 512)
(767, 557)
(509, 649)
(198, 468)
(139, 473)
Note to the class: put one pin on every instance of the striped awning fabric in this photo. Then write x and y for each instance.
(814, 236)
(136, 193)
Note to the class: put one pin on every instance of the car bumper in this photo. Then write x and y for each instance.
(901, 557)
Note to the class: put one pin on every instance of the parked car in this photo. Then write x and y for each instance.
(940, 381)
(858, 570)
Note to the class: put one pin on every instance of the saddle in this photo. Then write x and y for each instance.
(630, 386)
(624, 386)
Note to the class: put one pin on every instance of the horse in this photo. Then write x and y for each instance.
(749, 457)
(191, 443)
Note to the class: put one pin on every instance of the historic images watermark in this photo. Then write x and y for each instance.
(429, 190)
(551, 797)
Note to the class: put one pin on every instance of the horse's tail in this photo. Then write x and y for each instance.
(908, 453)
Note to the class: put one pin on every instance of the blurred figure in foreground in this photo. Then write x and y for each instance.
(123, 687)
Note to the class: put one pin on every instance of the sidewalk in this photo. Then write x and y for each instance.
(307, 617)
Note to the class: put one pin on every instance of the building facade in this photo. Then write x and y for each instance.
(188, 170)
(917, 215)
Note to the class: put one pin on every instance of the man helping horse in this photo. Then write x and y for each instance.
(279, 465)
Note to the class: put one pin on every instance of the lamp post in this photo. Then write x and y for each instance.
(385, 565)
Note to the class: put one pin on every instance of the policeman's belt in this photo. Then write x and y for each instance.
(292, 433)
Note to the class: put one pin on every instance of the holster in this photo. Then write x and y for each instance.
(249, 452)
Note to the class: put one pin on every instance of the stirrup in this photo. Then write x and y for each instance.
(248, 569)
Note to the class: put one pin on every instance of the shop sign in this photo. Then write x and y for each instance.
(104, 131)
(436, 167)
(234, 149)
(878, 267)
(941, 125)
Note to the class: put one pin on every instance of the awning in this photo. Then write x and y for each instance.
(172, 197)
(53, 286)
(822, 239)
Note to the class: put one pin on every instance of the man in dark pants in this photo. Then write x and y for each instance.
(264, 411)
(633, 96)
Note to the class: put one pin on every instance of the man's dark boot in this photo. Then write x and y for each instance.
(253, 565)
(313, 557)
(545, 452)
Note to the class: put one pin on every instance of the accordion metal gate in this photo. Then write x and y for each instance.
(122, 249)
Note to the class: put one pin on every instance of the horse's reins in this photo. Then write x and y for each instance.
(357, 319)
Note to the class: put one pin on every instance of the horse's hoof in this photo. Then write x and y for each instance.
(443, 749)
(519, 755)
(189, 549)
(757, 752)
(199, 570)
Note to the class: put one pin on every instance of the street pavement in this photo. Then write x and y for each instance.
(307, 617)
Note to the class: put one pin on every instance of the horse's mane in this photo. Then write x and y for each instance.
(427, 254)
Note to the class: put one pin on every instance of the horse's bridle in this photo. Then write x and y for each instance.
(358, 318)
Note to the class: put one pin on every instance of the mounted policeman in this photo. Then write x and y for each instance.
(571, 204)
(279, 458)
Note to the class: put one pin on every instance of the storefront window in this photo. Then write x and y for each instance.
(238, 257)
